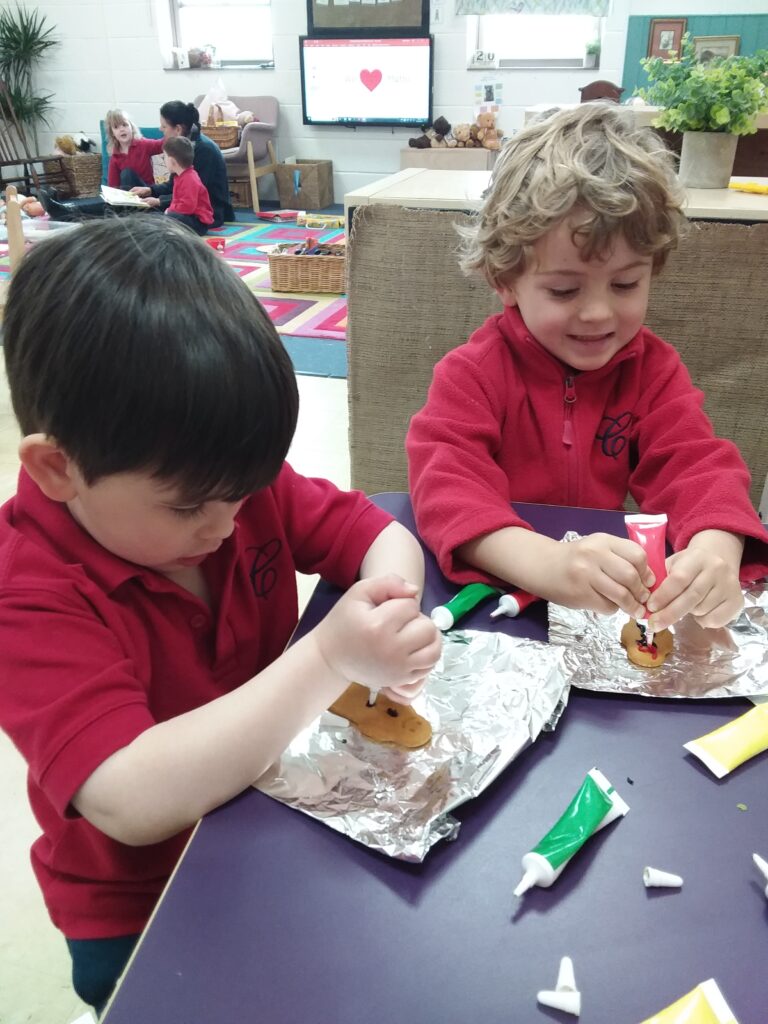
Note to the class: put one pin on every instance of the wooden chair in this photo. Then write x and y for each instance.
(18, 165)
(254, 172)
(601, 90)
(15, 238)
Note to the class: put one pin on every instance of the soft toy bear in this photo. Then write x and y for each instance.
(463, 136)
(488, 134)
(246, 117)
(437, 136)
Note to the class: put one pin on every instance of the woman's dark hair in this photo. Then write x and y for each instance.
(176, 113)
(135, 347)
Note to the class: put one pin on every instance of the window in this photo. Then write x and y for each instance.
(533, 40)
(235, 32)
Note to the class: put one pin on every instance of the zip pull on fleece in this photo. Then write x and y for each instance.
(570, 400)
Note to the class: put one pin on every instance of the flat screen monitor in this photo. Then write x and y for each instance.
(364, 81)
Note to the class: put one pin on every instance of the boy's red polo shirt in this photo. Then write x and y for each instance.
(190, 196)
(95, 650)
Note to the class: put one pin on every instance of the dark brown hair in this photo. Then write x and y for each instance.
(136, 348)
(181, 149)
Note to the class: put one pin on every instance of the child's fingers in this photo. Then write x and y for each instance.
(385, 588)
(617, 596)
(629, 551)
(625, 575)
(722, 613)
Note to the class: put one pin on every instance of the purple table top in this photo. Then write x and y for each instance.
(273, 917)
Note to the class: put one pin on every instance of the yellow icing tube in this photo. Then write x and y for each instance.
(732, 744)
(704, 1005)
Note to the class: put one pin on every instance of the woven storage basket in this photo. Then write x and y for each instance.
(83, 171)
(289, 273)
(224, 135)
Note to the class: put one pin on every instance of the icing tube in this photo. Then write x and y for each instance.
(650, 532)
(733, 743)
(595, 805)
(703, 1005)
(445, 615)
(513, 603)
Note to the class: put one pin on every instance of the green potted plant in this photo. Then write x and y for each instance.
(25, 38)
(592, 54)
(711, 104)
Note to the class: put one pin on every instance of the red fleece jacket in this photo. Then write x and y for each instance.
(507, 421)
(190, 196)
(138, 158)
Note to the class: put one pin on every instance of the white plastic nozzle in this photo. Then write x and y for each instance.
(507, 605)
(372, 695)
(527, 882)
(566, 980)
(653, 877)
(568, 1002)
(762, 866)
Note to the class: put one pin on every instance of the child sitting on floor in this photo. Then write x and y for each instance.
(130, 154)
(567, 399)
(148, 568)
(191, 204)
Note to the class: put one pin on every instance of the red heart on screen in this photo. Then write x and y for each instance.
(370, 79)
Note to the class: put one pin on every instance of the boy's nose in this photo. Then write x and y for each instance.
(595, 310)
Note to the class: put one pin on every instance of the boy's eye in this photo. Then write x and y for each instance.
(563, 293)
(187, 511)
(625, 286)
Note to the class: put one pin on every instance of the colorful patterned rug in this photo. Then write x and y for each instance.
(296, 314)
(313, 326)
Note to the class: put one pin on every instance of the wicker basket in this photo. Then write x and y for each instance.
(83, 171)
(290, 273)
(224, 135)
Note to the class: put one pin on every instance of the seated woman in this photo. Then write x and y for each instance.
(130, 160)
(183, 119)
(176, 119)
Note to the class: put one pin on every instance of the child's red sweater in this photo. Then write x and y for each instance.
(507, 421)
(190, 196)
(138, 159)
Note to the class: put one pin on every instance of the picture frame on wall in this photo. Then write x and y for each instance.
(709, 48)
(390, 19)
(666, 37)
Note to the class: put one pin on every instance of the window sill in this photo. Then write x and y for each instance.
(533, 65)
(260, 66)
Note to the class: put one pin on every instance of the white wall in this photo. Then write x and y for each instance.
(110, 57)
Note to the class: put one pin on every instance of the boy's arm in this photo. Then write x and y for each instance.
(184, 198)
(395, 550)
(176, 771)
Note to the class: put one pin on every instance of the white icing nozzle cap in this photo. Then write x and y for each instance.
(653, 877)
(526, 882)
(568, 1002)
(442, 618)
(566, 980)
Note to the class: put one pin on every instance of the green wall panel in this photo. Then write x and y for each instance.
(753, 29)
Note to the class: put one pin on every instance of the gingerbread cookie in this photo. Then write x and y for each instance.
(645, 657)
(386, 721)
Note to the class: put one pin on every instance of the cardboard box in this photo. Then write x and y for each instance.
(306, 184)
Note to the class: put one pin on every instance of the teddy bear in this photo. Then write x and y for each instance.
(438, 135)
(462, 133)
(488, 134)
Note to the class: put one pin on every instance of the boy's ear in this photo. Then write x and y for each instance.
(49, 466)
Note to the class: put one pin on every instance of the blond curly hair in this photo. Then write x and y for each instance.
(592, 161)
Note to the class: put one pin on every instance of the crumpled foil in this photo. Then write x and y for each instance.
(487, 699)
(727, 662)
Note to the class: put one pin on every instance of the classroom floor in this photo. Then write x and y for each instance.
(34, 964)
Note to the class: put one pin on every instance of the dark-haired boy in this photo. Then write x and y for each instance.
(191, 204)
(147, 568)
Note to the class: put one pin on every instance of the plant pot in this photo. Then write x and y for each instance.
(590, 60)
(706, 160)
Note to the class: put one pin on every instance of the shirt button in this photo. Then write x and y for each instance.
(197, 621)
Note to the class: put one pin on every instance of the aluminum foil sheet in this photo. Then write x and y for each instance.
(488, 698)
(727, 662)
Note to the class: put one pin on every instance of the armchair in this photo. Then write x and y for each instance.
(258, 133)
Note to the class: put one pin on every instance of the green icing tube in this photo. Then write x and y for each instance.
(595, 805)
(469, 597)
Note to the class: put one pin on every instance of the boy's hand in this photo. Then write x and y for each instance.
(152, 201)
(599, 572)
(141, 190)
(377, 635)
(703, 579)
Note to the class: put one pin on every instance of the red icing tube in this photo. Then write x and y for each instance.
(650, 532)
(513, 603)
